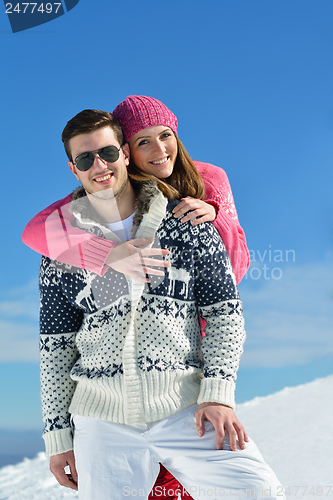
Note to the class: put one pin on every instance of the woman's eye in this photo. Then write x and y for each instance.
(141, 143)
(165, 135)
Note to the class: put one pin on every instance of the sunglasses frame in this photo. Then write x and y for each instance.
(92, 157)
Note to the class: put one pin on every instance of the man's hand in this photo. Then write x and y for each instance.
(57, 467)
(204, 211)
(224, 420)
(132, 258)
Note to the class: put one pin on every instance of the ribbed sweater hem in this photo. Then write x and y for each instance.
(104, 399)
(161, 395)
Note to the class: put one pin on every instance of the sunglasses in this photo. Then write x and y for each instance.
(84, 161)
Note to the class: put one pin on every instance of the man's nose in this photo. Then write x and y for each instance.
(98, 160)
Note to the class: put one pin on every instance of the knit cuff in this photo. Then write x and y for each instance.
(95, 252)
(57, 442)
(217, 391)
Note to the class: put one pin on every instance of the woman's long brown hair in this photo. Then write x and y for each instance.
(185, 179)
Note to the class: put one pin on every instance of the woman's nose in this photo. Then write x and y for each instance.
(158, 146)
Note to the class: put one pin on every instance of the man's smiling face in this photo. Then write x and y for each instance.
(102, 175)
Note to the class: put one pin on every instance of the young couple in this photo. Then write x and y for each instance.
(124, 365)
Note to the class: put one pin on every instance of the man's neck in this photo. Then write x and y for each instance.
(113, 209)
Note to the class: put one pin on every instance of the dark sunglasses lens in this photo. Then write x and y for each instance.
(84, 162)
(109, 154)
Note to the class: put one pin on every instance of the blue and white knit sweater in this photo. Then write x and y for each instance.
(115, 349)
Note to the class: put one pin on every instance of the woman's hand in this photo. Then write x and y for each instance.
(200, 211)
(224, 421)
(132, 258)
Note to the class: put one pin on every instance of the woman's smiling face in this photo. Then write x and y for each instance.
(154, 150)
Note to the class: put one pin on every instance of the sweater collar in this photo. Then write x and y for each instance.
(150, 207)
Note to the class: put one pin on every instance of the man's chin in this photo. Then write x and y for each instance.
(104, 194)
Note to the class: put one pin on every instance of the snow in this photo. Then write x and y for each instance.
(31, 480)
(292, 428)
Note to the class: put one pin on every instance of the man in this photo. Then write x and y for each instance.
(126, 360)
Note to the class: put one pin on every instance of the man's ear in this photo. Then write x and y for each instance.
(126, 150)
(72, 169)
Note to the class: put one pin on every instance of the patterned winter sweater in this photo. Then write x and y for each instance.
(116, 349)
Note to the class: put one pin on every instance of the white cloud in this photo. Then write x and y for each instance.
(21, 301)
(289, 321)
(18, 342)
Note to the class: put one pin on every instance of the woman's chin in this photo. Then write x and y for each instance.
(163, 174)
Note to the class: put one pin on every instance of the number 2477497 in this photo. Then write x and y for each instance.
(30, 8)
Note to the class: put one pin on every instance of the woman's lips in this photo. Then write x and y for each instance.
(162, 161)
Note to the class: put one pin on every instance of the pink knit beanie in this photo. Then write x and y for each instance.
(137, 112)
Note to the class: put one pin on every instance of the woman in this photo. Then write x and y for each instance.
(150, 128)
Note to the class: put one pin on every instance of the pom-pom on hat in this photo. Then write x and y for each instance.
(137, 112)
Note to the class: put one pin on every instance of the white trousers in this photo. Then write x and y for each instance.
(116, 461)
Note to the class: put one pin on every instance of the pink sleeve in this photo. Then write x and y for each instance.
(51, 233)
(218, 194)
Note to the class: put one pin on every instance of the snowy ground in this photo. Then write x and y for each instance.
(292, 428)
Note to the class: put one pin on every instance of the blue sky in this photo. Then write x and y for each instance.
(251, 82)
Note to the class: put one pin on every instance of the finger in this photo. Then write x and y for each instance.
(242, 434)
(245, 436)
(200, 220)
(241, 438)
(178, 207)
(73, 482)
(155, 262)
(186, 204)
(219, 431)
(73, 476)
(154, 251)
(185, 209)
(62, 478)
(140, 269)
(182, 203)
(232, 438)
(192, 215)
(181, 210)
(200, 424)
(153, 272)
(188, 217)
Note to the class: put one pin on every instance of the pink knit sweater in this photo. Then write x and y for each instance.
(50, 232)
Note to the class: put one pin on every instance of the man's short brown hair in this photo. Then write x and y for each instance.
(87, 121)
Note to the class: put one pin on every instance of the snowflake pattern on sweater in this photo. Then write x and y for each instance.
(92, 365)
